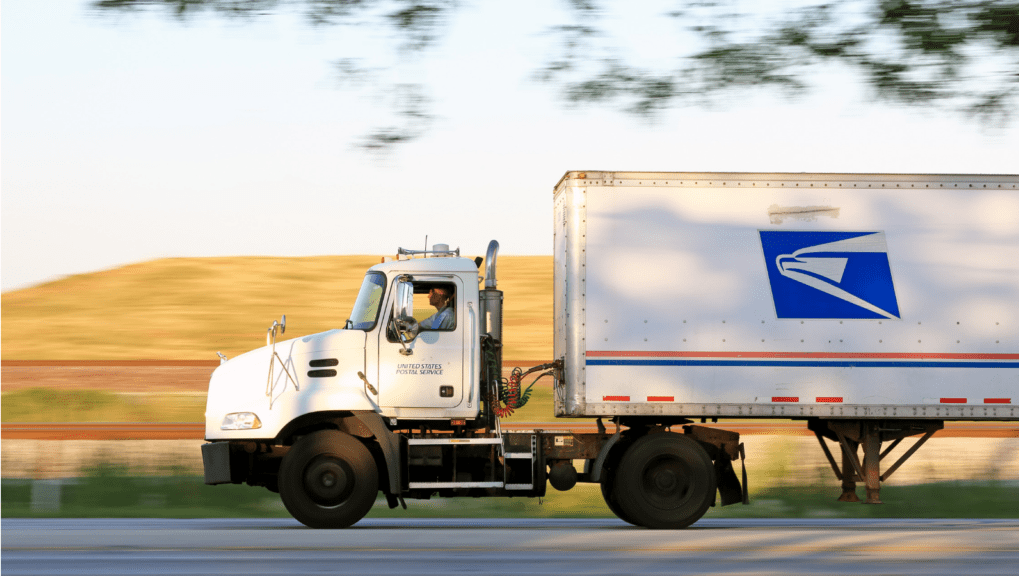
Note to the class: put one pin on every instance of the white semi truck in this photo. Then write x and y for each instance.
(872, 307)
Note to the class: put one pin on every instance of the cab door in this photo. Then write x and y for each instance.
(431, 375)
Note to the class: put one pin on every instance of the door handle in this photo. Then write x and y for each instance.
(368, 384)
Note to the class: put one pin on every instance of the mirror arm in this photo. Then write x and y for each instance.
(400, 337)
(405, 351)
(270, 340)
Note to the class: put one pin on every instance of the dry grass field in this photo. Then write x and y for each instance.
(188, 308)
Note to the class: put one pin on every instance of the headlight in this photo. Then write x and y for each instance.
(240, 421)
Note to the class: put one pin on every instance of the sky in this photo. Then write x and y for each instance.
(126, 138)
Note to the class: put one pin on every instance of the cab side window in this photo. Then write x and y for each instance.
(434, 308)
(435, 305)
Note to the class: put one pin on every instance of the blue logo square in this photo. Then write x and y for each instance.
(832, 275)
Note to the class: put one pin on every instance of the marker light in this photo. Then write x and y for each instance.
(240, 421)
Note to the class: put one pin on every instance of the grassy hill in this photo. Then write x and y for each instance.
(188, 308)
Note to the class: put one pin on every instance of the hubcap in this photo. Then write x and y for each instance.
(328, 481)
(665, 480)
(666, 483)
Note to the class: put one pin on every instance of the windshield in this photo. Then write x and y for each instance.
(369, 300)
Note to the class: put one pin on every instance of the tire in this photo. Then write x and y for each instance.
(328, 480)
(664, 480)
(607, 485)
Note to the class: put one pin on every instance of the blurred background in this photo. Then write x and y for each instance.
(176, 174)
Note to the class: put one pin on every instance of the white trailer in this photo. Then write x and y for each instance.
(778, 295)
(875, 307)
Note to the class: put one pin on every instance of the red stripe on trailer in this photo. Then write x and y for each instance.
(785, 398)
(615, 398)
(795, 355)
(834, 399)
(953, 400)
(661, 398)
(997, 400)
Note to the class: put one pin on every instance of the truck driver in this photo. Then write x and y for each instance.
(442, 298)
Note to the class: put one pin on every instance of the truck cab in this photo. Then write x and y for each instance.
(421, 372)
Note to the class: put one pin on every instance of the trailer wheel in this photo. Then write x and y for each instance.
(607, 484)
(664, 480)
(328, 480)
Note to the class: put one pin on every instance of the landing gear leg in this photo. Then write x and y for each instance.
(851, 434)
(848, 475)
(872, 463)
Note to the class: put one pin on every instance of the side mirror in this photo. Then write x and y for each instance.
(270, 335)
(403, 322)
(404, 307)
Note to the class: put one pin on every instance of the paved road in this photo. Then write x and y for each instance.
(525, 546)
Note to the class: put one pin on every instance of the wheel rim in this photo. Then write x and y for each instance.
(328, 481)
(666, 483)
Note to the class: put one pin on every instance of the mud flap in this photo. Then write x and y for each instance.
(743, 463)
(729, 486)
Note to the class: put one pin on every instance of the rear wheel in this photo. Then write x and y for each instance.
(328, 480)
(664, 480)
(607, 484)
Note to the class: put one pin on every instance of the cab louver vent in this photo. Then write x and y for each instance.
(323, 362)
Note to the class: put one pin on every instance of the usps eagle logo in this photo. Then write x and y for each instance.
(833, 275)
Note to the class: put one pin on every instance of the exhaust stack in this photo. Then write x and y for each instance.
(490, 256)
(491, 298)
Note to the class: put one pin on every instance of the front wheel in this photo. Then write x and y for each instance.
(328, 480)
(664, 480)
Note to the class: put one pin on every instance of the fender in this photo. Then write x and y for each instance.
(594, 469)
(388, 442)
